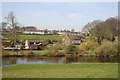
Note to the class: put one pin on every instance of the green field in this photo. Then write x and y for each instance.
(29, 36)
(41, 37)
(75, 70)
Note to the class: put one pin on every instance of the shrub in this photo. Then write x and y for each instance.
(54, 49)
(61, 52)
(69, 49)
(89, 45)
(107, 48)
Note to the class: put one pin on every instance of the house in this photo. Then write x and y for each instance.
(34, 32)
(74, 39)
(33, 44)
(29, 28)
(62, 32)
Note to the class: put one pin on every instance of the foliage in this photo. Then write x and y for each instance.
(61, 52)
(46, 31)
(107, 29)
(5, 52)
(89, 52)
(6, 43)
(70, 49)
(12, 22)
(113, 38)
(59, 39)
(98, 39)
(54, 32)
(107, 48)
(89, 45)
(54, 49)
(93, 28)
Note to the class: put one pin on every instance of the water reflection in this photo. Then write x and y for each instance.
(72, 59)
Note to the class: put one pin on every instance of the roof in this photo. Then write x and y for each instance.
(74, 37)
(30, 27)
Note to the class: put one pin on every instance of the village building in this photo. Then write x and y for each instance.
(74, 39)
(29, 28)
(34, 32)
(61, 32)
(33, 44)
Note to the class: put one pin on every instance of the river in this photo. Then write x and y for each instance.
(41, 60)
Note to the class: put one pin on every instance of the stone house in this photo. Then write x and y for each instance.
(72, 39)
(29, 28)
(33, 44)
(34, 32)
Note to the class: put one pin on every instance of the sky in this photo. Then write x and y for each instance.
(59, 15)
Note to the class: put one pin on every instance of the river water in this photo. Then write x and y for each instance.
(38, 60)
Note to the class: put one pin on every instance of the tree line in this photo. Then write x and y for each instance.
(107, 29)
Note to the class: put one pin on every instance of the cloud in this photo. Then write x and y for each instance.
(77, 16)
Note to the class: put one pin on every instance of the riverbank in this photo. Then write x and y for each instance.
(75, 70)
(40, 53)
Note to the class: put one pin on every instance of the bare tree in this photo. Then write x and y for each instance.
(110, 28)
(94, 29)
(102, 29)
(12, 22)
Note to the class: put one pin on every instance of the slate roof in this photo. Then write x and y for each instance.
(74, 37)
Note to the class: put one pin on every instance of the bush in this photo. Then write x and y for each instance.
(61, 52)
(89, 45)
(54, 49)
(70, 49)
(107, 48)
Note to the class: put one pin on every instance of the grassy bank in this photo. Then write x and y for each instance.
(78, 70)
(41, 37)
(5, 52)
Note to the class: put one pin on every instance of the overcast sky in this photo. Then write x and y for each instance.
(60, 15)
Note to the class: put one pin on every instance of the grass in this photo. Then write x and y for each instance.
(5, 52)
(75, 70)
(41, 37)
(89, 52)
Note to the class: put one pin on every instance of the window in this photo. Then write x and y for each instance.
(31, 42)
(37, 42)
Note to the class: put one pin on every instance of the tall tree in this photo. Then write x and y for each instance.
(93, 28)
(107, 29)
(12, 22)
(110, 28)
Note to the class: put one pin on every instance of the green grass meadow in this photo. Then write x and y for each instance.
(75, 70)
(41, 37)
